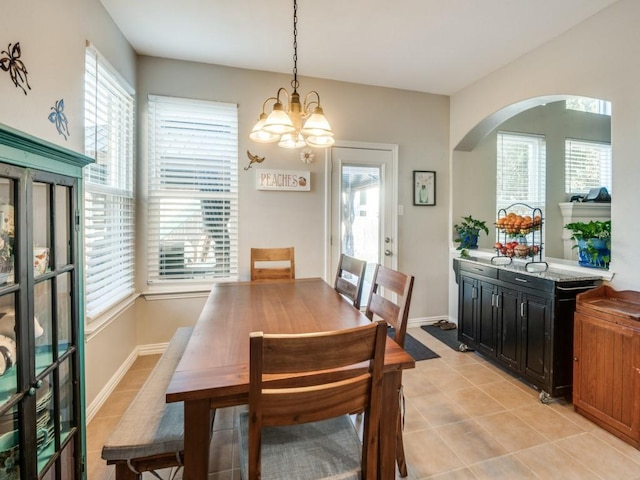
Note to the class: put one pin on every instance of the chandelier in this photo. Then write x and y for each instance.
(284, 123)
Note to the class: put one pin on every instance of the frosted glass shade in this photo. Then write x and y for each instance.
(278, 121)
(320, 142)
(290, 140)
(317, 124)
(261, 136)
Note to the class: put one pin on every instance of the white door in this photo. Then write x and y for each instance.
(363, 206)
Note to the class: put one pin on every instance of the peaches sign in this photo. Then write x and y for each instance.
(292, 180)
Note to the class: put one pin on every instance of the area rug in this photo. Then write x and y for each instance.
(414, 348)
(448, 337)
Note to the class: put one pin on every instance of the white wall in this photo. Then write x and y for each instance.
(52, 37)
(598, 58)
(417, 122)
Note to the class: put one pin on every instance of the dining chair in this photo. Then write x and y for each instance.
(354, 267)
(302, 388)
(396, 315)
(272, 263)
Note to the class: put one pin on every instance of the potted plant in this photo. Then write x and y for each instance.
(593, 241)
(468, 232)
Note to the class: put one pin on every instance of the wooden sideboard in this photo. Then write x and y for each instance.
(606, 367)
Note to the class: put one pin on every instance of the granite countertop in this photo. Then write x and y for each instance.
(550, 274)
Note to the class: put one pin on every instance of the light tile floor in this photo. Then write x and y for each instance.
(465, 419)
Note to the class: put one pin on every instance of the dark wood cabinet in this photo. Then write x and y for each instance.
(509, 328)
(521, 321)
(607, 361)
(41, 317)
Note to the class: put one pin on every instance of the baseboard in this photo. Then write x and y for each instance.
(416, 322)
(107, 390)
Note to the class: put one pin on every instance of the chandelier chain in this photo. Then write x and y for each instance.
(294, 82)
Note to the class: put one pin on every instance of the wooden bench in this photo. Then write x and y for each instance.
(150, 435)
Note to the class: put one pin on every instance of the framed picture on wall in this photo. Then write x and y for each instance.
(424, 188)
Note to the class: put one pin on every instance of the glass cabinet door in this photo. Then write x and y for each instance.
(54, 278)
(39, 399)
(10, 342)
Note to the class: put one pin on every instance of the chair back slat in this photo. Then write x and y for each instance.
(261, 257)
(356, 268)
(394, 314)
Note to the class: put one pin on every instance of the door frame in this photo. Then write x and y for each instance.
(329, 270)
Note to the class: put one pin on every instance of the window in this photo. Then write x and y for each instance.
(589, 105)
(109, 196)
(521, 170)
(587, 165)
(193, 191)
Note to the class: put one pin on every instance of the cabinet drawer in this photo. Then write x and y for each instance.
(528, 281)
(478, 269)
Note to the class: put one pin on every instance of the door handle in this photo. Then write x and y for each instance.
(387, 252)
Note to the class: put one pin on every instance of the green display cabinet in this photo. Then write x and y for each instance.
(42, 424)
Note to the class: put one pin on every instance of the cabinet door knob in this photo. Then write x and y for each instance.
(575, 359)
(31, 392)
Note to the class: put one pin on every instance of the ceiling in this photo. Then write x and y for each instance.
(435, 46)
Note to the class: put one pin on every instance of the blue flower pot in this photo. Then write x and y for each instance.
(468, 240)
(598, 259)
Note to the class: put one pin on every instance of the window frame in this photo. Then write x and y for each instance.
(536, 189)
(207, 173)
(109, 187)
(569, 183)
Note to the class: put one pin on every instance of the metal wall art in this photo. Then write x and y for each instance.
(58, 118)
(253, 159)
(11, 63)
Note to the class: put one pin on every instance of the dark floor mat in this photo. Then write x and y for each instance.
(414, 348)
(448, 337)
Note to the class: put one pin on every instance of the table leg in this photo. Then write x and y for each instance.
(388, 425)
(196, 439)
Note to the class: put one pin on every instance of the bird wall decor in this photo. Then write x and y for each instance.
(253, 159)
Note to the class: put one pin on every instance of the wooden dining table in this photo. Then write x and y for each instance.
(214, 370)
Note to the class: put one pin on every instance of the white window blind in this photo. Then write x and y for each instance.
(587, 165)
(521, 170)
(109, 197)
(193, 190)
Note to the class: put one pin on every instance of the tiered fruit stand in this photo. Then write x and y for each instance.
(519, 235)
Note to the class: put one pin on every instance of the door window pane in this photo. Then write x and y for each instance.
(8, 348)
(360, 217)
(64, 312)
(41, 228)
(45, 421)
(43, 309)
(63, 225)
(7, 231)
(10, 444)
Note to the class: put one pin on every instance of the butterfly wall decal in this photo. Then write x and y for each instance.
(58, 118)
(11, 63)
